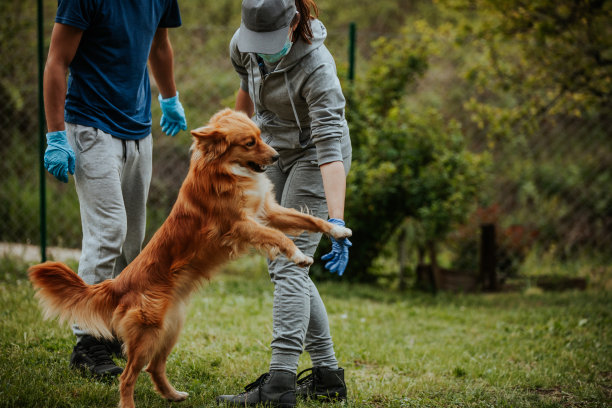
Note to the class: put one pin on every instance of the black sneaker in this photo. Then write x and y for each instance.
(93, 357)
(322, 383)
(273, 389)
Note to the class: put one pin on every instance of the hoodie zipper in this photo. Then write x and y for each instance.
(264, 74)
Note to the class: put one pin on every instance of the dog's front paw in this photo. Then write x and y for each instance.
(301, 260)
(339, 232)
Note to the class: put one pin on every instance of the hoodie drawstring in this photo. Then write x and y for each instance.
(252, 77)
(297, 119)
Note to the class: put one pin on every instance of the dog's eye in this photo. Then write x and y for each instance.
(250, 143)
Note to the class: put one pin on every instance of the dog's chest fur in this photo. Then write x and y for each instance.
(257, 190)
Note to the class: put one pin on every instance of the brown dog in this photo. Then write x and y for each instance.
(225, 206)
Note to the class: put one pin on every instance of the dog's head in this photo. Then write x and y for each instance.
(232, 137)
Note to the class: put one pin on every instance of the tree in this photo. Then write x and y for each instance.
(532, 59)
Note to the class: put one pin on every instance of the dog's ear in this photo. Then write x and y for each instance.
(211, 141)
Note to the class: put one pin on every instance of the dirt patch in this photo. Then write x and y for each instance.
(558, 396)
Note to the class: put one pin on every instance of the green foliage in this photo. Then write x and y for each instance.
(530, 83)
(406, 163)
(532, 59)
(538, 87)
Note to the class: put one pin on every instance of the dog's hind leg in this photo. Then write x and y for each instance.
(139, 346)
(157, 367)
(136, 361)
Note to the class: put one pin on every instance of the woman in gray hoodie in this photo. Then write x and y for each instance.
(289, 85)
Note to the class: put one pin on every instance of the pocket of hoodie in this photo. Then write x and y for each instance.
(284, 138)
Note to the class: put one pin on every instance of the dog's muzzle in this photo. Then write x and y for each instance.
(260, 168)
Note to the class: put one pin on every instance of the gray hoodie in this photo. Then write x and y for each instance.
(299, 104)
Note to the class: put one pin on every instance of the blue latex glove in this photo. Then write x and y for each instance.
(59, 156)
(173, 115)
(339, 255)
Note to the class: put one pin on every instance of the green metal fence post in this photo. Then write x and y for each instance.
(351, 70)
(41, 137)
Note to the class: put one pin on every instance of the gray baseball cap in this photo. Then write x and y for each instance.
(265, 25)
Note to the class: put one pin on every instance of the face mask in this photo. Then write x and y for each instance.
(272, 58)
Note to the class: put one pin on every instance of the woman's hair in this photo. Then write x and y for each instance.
(304, 7)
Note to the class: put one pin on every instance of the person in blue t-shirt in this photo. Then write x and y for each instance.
(99, 130)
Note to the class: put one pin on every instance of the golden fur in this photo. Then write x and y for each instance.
(224, 206)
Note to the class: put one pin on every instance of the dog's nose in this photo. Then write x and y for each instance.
(275, 158)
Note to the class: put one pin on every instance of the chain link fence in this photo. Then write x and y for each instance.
(558, 205)
(19, 192)
(549, 203)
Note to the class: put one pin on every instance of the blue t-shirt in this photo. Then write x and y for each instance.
(108, 86)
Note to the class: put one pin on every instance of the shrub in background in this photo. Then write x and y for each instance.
(405, 163)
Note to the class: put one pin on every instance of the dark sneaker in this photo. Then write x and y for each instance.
(93, 357)
(273, 389)
(322, 384)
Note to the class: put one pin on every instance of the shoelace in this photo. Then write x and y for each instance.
(100, 355)
(306, 379)
(256, 383)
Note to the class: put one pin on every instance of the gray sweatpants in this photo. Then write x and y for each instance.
(299, 318)
(112, 178)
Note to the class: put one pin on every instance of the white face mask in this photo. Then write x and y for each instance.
(272, 58)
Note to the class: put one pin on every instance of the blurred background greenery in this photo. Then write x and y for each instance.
(462, 113)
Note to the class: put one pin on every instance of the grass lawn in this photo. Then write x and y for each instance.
(398, 350)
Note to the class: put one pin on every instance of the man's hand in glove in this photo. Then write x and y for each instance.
(173, 115)
(59, 156)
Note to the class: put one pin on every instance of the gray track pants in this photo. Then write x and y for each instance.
(112, 178)
(299, 317)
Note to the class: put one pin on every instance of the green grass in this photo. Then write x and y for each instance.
(399, 350)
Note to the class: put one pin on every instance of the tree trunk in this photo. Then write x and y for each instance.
(402, 252)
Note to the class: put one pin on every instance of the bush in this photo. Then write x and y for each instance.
(405, 163)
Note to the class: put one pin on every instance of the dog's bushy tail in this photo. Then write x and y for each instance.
(63, 294)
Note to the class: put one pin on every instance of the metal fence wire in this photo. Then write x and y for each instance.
(559, 207)
(548, 204)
